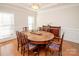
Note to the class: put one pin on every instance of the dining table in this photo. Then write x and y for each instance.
(39, 37)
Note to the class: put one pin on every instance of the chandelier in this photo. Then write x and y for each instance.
(35, 6)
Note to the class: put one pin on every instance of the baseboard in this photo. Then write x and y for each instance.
(72, 41)
(3, 42)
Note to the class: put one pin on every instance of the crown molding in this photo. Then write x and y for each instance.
(10, 5)
(52, 7)
(43, 9)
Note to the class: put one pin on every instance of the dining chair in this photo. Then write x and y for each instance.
(49, 26)
(40, 28)
(18, 40)
(52, 47)
(27, 46)
(46, 28)
(56, 31)
(25, 28)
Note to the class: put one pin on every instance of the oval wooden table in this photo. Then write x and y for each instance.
(40, 37)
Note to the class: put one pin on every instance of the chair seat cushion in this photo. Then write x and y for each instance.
(56, 37)
(54, 46)
(56, 41)
(31, 46)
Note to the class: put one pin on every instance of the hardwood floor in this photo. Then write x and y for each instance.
(10, 49)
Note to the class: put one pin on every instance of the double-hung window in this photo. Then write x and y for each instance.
(6, 25)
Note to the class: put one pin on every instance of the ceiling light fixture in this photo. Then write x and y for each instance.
(35, 6)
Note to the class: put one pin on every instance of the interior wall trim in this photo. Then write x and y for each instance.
(71, 34)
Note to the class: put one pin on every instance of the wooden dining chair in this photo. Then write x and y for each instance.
(46, 28)
(18, 40)
(49, 26)
(56, 31)
(25, 28)
(40, 29)
(27, 46)
(52, 47)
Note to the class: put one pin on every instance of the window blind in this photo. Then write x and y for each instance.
(6, 25)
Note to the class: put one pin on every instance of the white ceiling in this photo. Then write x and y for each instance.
(43, 6)
(29, 5)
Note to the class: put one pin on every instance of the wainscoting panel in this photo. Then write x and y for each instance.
(71, 34)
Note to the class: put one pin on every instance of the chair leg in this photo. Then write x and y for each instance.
(50, 52)
(60, 53)
(28, 53)
(23, 51)
(18, 47)
(46, 50)
(38, 51)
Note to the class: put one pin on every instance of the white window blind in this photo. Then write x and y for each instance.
(30, 22)
(6, 25)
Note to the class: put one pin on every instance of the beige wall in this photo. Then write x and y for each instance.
(65, 16)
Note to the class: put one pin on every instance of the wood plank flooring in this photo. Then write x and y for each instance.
(10, 49)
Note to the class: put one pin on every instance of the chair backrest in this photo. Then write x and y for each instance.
(46, 28)
(25, 28)
(18, 37)
(40, 29)
(49, 26)
(24, 39)
(61, 42)
(55, 30)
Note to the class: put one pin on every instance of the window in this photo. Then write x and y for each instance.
(6, 25)
(30, 22)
